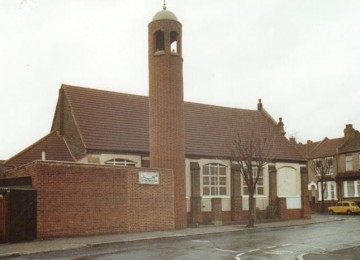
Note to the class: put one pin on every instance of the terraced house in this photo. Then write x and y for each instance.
(341, 156)
(115, 162)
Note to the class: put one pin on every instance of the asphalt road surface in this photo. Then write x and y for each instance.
(310, 241)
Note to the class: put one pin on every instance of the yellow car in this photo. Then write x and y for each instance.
(345, 207)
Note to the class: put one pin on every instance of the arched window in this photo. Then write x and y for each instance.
(121, 162)
(214, 180)
(159, 41)
(174, 42)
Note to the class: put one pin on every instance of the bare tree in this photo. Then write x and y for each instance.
(322, 169)
(251, 152)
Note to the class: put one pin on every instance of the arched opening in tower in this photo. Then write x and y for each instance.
(174, 42)
(159, 41)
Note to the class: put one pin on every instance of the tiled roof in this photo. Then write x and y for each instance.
(306, 149)
(52, 144)
(328, 147)
(325, 148)
(111, 121)
(352, 145)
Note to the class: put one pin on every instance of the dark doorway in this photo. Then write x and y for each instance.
(18, 214)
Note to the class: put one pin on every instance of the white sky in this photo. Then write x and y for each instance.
(302, 57)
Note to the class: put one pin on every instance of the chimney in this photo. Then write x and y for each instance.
(309, 142)
(292, 140)
(281, 126)
(349, 131)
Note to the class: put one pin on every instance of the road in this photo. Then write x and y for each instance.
(272, 243)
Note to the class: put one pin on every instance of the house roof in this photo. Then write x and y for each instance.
(111, 121)
(52, 144)
(328, 147)
(306, 149)
(351, 145)
(322, 149)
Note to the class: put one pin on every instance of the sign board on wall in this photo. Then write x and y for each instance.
(150, 178)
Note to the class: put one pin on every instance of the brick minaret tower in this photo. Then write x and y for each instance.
(167, 138)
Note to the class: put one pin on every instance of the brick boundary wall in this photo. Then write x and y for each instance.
(84, 199)
(295, 214)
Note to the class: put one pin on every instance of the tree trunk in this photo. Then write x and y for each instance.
(323, 187)
(251, 219)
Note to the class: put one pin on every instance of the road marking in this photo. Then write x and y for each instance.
(301, 257)
(254, 250)
(237, 257)
(278, 252)
(225, 250)
(201, 241)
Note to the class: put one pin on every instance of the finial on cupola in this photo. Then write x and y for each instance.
(164, 6)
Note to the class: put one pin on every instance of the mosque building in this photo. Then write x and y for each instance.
(116, 162)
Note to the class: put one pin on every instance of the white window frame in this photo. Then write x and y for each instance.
(349, 163)
(325, 160)
(317, 171)
(330, 189)
(331, 167)
(356, 184)
(258, 186)
(120, 162)
(221, 180)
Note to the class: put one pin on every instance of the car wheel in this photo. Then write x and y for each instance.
(349, 212)
(331, 212)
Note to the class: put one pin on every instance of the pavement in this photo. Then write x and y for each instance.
(38, 246)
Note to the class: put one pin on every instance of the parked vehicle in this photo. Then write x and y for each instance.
(345, 207)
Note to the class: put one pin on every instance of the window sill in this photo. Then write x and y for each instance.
(255, 196)
(159, 53)
(214, 197)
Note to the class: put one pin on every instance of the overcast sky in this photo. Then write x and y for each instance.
(302, 57)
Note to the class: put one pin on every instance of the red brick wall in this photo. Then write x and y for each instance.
(166, 112)
(294, 214)
(64, 122)
(78, 199)
(151, 207)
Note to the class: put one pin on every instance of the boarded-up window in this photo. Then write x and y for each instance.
(287, 182)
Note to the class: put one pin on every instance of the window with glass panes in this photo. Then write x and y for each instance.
(349, 162)
(120, 162)
(350, 188)
(214, 180)
(329, 192)
(318, 166)
(330, 164)
(259, 190)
